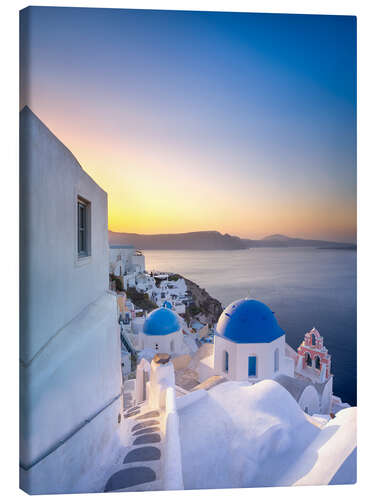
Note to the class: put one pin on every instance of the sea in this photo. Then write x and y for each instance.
(304, 287)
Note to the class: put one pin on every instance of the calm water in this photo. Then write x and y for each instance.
(304, 287)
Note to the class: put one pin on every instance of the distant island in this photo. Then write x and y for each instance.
(214, 240)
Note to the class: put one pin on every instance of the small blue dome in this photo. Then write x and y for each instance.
(162, 321)
(167, 304)
(248, 321)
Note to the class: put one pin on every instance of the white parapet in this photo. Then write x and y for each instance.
(161, 377)
(162, 396)
(140, 382)
(173, 477)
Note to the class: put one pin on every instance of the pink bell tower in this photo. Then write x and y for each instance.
(313, 356)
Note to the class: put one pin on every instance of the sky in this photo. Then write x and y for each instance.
(194, 121)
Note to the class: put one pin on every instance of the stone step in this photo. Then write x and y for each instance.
(130, 477)
(149, 414)
(138, 476)
(141, 469)
(156, 485)
(146, 430)
(133, 413)
(143, 454)
(147, 439)
(143, 425)
(132, 408)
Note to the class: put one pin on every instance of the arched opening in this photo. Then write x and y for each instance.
(156, 347)
(276, 360)
(313, 339)
(226, 362)
(317, 363)
(252, 366)
(308, 359)
(172, 346)
(306, 409)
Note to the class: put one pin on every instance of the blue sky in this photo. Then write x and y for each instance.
(246, 123)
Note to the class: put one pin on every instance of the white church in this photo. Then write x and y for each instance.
(162, 332)
(249, 346)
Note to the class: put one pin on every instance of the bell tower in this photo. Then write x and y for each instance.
(313, 357)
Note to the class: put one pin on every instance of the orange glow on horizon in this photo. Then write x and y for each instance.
(151, 191)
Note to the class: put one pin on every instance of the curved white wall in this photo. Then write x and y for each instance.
(309, 400)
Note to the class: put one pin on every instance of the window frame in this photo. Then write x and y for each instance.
(83, 229)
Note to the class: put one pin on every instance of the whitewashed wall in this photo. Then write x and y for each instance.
(238, 358)
(122, 255)
(55, 285)
(164, 342)
(309, 399)
(70, 345)
(326, 398)
(139, 263)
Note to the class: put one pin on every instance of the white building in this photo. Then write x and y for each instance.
(169, 291)
(144, 282)
(250, 346)
(138, 260)
(70, 364)
(162, 332)
(125, 259)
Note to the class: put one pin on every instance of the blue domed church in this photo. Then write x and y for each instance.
(162, 331)
(249, 343)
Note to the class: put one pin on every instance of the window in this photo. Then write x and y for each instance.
(226, 361)
(83, 222)
(308, 359)
(172, 346)
(317, 363)
(276, 360)
(252, 366)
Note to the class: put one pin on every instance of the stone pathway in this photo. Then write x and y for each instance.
(141, 469)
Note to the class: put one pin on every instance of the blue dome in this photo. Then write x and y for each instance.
(247, 321)
(167, 304)
(161, 321)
